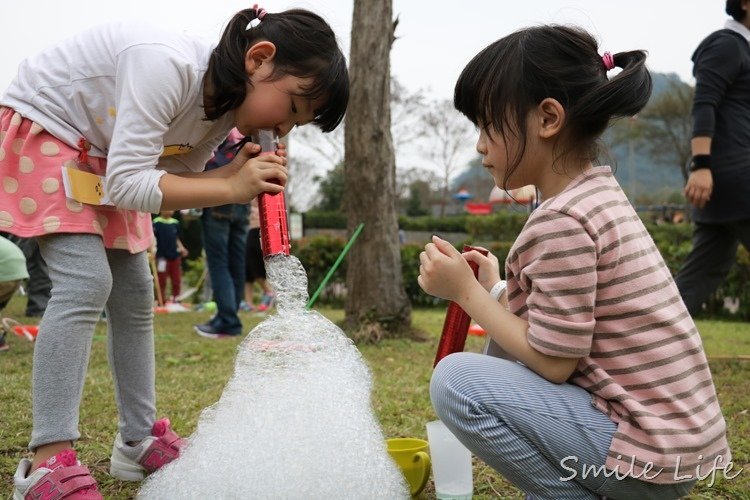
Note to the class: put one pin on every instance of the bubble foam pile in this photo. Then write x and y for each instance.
(295, 420)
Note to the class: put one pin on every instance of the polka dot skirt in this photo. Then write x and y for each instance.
(32, 196)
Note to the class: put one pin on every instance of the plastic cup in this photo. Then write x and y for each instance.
(451, 464)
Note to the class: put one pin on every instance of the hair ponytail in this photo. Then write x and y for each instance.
(623, 95)
(226, 68)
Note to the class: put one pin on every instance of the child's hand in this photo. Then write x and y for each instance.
(281, 150)
(262, 174)
(489, 268)
(443, 271)
(247, 151)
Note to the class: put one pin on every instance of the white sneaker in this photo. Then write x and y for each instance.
(133, 463)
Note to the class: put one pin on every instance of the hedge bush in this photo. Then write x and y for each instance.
(496, 232)
(337, 220)
(324, 220)
(317, 254)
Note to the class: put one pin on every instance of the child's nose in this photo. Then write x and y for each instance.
(481, 147)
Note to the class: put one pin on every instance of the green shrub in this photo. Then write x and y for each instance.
(324, 220)
(337, 220)
(502, 226)
(317, 254)
(410, 271)
(448, 224)
(673, 242)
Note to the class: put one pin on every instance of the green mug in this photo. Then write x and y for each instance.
(411, 456)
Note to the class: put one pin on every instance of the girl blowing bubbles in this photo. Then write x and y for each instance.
(613, 395)
(145, 109)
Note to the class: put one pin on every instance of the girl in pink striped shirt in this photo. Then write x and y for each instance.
(602, 387)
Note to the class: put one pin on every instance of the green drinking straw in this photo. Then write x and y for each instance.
(335, 265)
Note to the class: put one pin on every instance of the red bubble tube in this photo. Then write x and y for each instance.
(274, 230)
(457, 322)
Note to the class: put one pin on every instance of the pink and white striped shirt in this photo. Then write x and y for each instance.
(588, 278)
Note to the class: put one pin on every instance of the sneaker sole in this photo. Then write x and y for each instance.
(214, 335)
(123, 468)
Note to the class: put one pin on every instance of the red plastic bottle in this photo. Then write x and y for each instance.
(274, 230)
(457, 322)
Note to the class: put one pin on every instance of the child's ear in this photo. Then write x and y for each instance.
(257, 54)
(551, 117)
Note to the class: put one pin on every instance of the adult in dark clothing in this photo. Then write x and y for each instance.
(719, 182)
(224, 230)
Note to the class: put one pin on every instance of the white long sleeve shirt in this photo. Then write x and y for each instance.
(135, 92)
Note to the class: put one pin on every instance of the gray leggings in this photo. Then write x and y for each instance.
(523, 426)
(86, 277)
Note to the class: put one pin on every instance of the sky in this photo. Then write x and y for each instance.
(435, 38)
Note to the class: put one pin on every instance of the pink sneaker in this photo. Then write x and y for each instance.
(133, 463)
(61, 476)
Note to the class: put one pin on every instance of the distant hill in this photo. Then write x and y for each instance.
(652, 178)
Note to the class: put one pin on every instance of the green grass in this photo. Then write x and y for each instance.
(192, 371)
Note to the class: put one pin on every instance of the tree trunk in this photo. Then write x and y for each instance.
(376, 305)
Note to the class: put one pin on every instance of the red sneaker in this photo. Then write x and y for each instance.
(59, 477)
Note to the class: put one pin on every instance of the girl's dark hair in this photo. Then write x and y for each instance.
(734, 9)
(306, 47)
(510, 77)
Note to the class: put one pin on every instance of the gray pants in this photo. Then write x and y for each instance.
(524, 427)
(86, 277)
(709, 262)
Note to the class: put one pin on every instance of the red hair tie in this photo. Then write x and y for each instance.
(608, 60)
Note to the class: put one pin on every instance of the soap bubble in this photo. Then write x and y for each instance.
(295, 420)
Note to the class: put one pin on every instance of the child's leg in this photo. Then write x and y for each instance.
(267, 290)
(215, 232)
(81, 282)
(130, 342)
(524, 427)
(174, 268)
(162, 278)
(236, 251)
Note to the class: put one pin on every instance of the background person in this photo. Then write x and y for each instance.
(169, 254)
(12, 273)
(224, 230)
(719, 184)
(38, 287)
